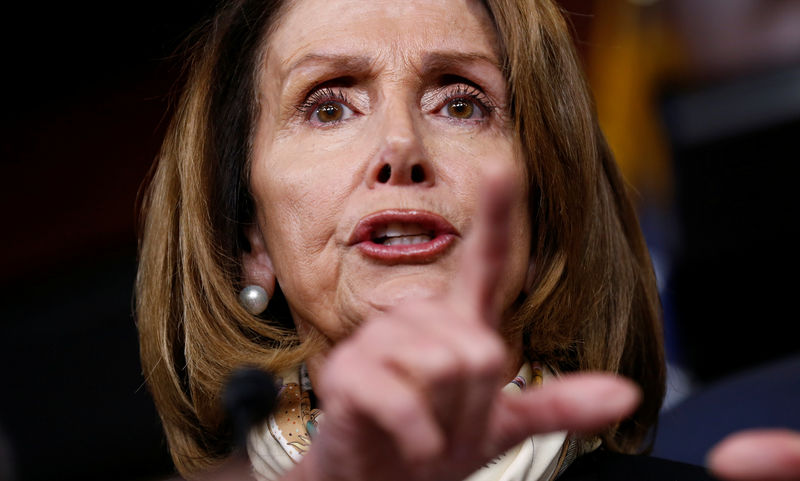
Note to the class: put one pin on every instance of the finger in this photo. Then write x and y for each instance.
(420, 353)
(757, 455)
(366, 390)
(456, 365)
(459, 367)
(577, 402)
(457, 370)
(485, 248)
(472, 413)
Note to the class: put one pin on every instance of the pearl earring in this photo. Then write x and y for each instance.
(254, 299)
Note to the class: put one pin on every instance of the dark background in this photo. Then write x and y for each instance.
(87, 88)
(86, 100)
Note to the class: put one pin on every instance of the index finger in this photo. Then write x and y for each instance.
(485, 249)
(763, 455)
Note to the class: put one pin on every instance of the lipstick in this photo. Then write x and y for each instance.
(403, 236)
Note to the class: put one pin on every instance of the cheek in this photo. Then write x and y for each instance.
(464, 159)
(300, 189)
(298, 209)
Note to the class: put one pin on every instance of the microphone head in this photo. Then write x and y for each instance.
(249, 396)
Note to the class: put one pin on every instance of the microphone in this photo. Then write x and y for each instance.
(249, 396)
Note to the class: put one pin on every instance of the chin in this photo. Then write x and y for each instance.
(403, 288)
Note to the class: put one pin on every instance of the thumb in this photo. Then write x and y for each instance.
(576, 402)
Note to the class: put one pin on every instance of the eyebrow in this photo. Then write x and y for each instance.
(354, 63)
(438, 61)
(431, 63)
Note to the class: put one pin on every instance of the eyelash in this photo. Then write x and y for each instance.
(470, 92)
(321, 96)
(462, 91)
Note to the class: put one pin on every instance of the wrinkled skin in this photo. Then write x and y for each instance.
(392, 69)
(411, 381)
(371, 107)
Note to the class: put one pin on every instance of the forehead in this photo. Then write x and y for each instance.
(372, 28)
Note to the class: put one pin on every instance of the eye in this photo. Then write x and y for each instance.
(463, 109)
(326, 106)
(465, 102)
(331, 111)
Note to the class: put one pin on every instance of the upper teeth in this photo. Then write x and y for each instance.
(402, 233)
(412, 239)
(397, 229)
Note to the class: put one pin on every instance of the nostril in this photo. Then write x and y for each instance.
(417, 174)
(385, 173)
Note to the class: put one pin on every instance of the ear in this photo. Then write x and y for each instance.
(529, 277)
(257, 265)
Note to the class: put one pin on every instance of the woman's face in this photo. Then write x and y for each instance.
(377, 119)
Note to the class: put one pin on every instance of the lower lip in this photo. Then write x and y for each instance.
(408, 253)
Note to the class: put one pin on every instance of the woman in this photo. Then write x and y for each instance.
(422, 190)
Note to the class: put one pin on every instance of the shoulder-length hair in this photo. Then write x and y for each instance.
(594, 303)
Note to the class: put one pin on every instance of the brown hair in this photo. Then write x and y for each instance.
(594, 304)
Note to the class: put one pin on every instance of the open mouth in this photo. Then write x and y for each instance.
(403, 235)
(398, 233)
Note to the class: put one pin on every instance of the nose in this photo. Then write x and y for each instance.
(401, 157)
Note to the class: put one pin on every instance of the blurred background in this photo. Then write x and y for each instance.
(700, 100)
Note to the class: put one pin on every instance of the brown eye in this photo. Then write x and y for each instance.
(460, 109)
(330, 112)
